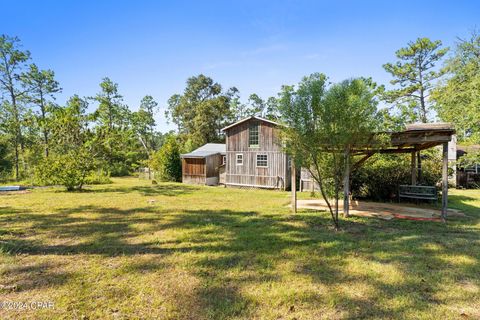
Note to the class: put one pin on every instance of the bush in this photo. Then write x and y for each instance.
(70, 170)
(98, 177)
(380, 176)
(167, 162)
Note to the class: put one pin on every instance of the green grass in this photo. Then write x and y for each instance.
(214, 253)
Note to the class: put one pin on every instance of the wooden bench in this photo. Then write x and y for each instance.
(418, 192)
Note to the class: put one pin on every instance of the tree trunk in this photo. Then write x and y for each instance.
(17, 133)
(44, 117)
(346, 185)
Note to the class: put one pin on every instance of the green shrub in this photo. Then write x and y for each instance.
(167, 162)
(98, 177)
(69, 170)
(380, 176)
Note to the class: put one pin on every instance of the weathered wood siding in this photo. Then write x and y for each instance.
(307, 183)
(213, 164)
(201, 170)
(275, 175)
(193, 170)
(222, 175)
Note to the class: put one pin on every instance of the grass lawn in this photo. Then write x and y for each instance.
(131, 250)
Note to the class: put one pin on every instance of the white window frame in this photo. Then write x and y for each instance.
(224, 160)
(266, 161)
(237, 158)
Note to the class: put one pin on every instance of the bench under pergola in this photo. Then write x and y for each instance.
(414, 139)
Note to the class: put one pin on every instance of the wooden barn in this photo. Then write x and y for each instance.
(203, 165)
(254, 155)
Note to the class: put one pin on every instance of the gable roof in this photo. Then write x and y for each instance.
(206, 150)
(249, 118)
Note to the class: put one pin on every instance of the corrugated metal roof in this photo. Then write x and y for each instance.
(206, 150)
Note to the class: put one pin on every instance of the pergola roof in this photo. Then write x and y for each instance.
(415, 137)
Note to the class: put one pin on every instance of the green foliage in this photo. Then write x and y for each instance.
(143, 123)
(414, 73)
(322, 126)
(5, 162)
(167, 162)
(469, 159)
(69, 170)
(12, 63)
(457, 98)
(379, 178)
(98, 176)
(41, 86)
(201, 111)
(114, 141)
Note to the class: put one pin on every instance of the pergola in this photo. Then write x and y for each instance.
(414, 139)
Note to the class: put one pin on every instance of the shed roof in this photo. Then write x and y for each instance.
(206, 150)
(249, 118)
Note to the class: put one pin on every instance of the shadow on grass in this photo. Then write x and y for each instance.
(172, 189)
(231, 250)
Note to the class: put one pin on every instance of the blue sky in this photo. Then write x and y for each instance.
(152, 47)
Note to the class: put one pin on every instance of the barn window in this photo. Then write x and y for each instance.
(224, 160)
(253, 135)
(239, 159)
(262, 160)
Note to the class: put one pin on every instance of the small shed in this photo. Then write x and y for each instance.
(203, 165)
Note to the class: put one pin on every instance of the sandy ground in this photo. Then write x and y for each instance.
(385, 211)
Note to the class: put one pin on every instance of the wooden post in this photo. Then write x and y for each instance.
(419, 168)
(445, 181)
(413, 168)
(346, 186)
(294, 187)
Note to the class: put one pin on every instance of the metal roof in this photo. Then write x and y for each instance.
(249, 118)
(206, 150)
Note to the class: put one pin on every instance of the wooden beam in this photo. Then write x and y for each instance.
(357, 164)
(420, 139)
(294, 186)
(445, 181)
(413, 168)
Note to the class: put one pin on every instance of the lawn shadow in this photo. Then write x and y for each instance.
(170, 189)
(230, 250)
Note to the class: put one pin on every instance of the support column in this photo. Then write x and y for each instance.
(346, 186)
(294, 186)
(413, 168)
(419, 168)
(445, 181)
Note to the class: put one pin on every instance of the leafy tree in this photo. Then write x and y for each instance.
(272, 112)
(69, 127)
(41, 86)
(5, 163)
(70, 169)
(114, 138)
(144, 123)
(167, 162)
(414, 75)
(457, 98)
(323, 125)
(74, 157)
(201, 111)
(256, 105)
(12, 62)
